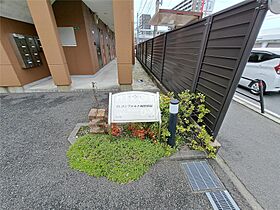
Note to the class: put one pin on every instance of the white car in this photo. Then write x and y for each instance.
(263, 64)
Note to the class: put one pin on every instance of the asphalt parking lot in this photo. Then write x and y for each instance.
(34, 171)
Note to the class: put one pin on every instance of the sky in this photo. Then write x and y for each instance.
(148, 7)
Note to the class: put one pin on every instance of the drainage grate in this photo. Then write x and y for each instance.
(222, 200)
(201, 176)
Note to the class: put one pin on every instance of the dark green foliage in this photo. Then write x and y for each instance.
(190, 128)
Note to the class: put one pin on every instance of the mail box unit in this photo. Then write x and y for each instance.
(38, 44)
(27, 50)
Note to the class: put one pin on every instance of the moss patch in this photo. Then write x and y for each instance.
(119, 159)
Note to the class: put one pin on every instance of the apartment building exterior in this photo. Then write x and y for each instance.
(60, 38)
(269, 38)
(144, 30)
(144, 21)
(203, 6)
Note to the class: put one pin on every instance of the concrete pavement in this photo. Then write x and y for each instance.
(250, 147)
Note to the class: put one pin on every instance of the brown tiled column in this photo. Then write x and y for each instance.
(132, 28)
(8, 76)
(44, 20)
(124, 38)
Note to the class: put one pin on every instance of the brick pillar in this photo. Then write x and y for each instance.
(123, 15)
(44, 20)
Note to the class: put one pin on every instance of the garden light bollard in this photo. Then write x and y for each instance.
(173, 109)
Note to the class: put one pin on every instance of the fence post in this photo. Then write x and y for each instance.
(261, 95)
(146, 52)
(163, 56)
(201, 52)
(152, 52)
(251, 36)
(142, 52)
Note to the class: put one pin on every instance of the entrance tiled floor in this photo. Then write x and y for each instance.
(105, 79)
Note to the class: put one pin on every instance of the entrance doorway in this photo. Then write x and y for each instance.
(98, 49)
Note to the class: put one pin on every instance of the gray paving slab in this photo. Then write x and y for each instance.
(106, 79)
(250, 147)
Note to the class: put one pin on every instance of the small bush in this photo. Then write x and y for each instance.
(190, 127)
(119, 159)
(142, 130)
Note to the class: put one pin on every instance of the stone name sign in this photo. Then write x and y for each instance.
(133, 106)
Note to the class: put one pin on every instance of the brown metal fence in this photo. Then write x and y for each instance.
(207, 56)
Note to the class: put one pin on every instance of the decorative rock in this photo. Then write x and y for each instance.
(98, 121)
(216, 145)
(95, 122)
(92, 114)
(100, 113)
(96, 130)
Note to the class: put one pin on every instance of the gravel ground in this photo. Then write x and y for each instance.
(34, 171)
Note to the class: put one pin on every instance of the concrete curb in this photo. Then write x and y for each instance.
(71, 91)
(56, 90)
(72, 137)
(268, 114)
(187, 154)
(238, 184)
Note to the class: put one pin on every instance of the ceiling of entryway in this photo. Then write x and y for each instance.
(15, 9)
(104, 10)
(18, 10)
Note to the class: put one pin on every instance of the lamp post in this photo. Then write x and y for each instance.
(173, 109)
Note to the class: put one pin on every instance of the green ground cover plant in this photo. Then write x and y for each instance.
(121, 160)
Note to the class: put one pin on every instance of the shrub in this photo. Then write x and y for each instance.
(143, 131)
(190, 127)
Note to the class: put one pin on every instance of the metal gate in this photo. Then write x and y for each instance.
(207, 56)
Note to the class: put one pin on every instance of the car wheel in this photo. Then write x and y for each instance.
(255, 89)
